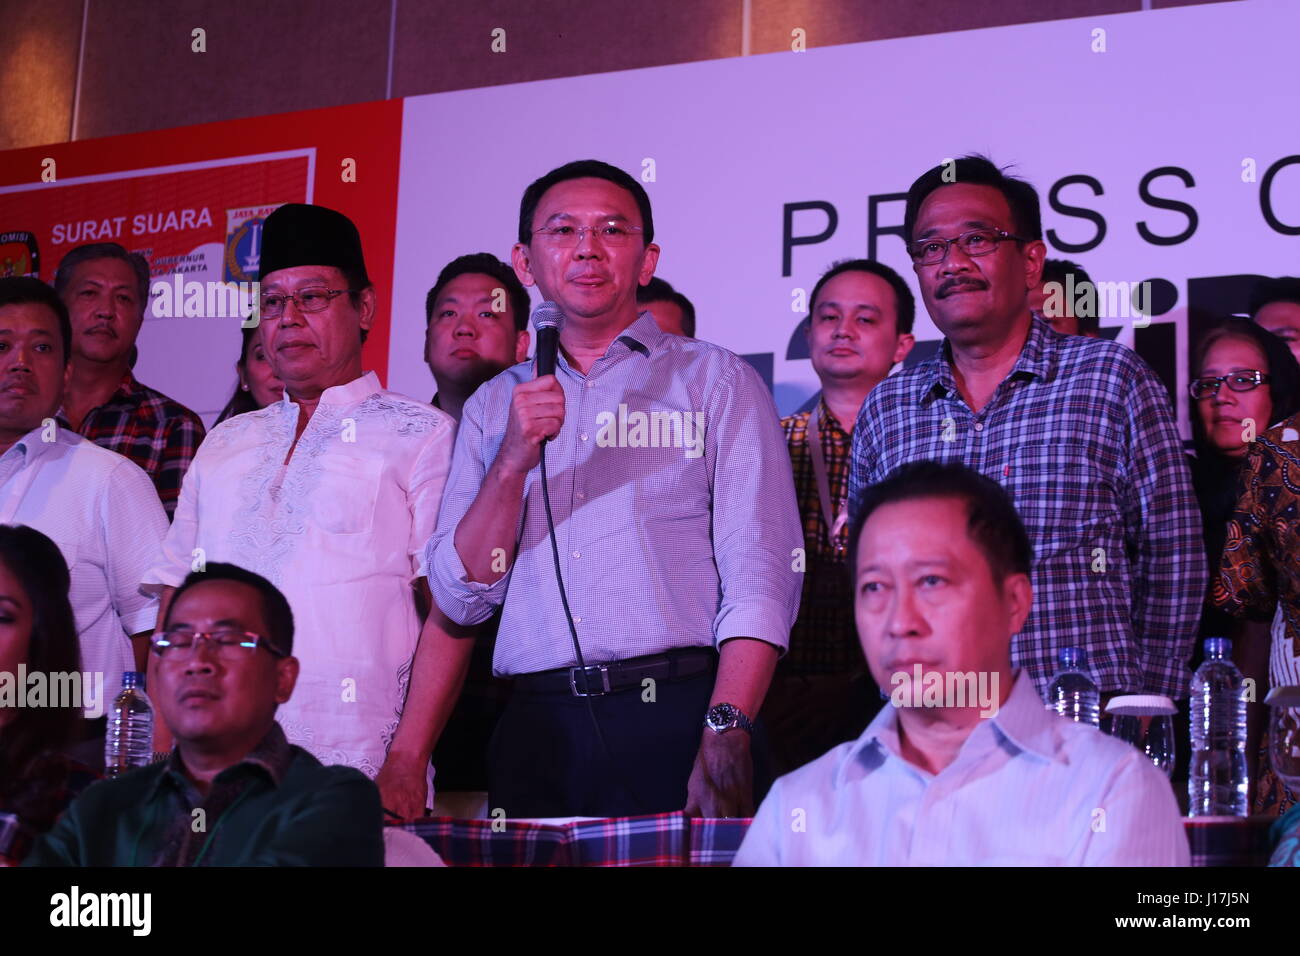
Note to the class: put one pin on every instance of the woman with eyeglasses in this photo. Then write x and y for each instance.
(1245, 379)
(37, 634)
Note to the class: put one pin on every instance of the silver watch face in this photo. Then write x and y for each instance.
(721, 717)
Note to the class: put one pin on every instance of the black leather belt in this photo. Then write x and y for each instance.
(596, 680)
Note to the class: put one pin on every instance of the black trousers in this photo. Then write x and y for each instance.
(545, 759)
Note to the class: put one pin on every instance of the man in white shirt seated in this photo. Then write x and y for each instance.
(966, 767)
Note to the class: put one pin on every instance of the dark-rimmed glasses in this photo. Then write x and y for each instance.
(977, 242)
(1241, 381)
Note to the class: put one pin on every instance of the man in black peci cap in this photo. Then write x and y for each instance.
(330, 493)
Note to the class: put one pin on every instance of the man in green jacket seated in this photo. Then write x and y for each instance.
(233, 791)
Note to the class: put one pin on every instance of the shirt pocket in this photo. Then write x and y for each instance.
(347, 494)
(1059, 492)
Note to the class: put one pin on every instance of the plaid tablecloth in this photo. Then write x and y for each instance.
(666, 839)
(674, 839)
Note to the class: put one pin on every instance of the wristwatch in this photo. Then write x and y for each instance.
(723, 717)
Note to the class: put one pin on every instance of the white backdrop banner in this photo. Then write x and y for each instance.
(1165, 146)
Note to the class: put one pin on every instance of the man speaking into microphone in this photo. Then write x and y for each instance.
(676, 528)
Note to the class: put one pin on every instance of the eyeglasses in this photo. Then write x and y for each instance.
(977, 242)
(611, 232)
(1242, 381)
(229, 644)
(307, 300)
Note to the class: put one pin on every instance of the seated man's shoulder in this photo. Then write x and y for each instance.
(108, 796)
(306, 773)
(818, 776)
(1084, 746)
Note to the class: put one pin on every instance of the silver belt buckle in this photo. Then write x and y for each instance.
(604, 680)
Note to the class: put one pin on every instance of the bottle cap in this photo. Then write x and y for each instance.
(1071, 657)
(133, 679)
(1141, 705)
(1218, 647)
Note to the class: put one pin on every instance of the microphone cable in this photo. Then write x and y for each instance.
(615, 765)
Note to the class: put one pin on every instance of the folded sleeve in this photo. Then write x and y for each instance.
(756, 530)
(464, 601)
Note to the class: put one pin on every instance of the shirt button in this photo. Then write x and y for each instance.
(979, 426)
(581, 495)
(576, 619)
(583, 436)
(591, 384)
(577, 554)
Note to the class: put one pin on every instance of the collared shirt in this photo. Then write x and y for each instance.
(341, 531)
(157, 433)
(1260, 569)
(277, 807)
(1082, 436)
(668, 537)
(1027, 788)
(824, 639)
(103, 513)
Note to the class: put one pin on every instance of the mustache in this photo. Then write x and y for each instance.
(952, 285)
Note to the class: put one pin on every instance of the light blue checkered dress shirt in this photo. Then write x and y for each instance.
(660, 547)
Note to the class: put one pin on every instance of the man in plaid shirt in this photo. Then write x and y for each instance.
(859, 326)
(1079, 430)
(106, 290)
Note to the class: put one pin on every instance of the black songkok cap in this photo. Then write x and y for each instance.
(300, 235)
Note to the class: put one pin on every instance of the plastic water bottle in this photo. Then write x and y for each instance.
(128, 741)
(1217, 783)
(1072, 693)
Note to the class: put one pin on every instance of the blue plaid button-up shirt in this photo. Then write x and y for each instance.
(1082, 435)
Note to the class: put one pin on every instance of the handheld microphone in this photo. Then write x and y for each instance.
(548, 319)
